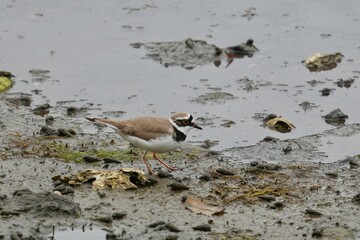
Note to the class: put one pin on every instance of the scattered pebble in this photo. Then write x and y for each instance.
(313, 212)
(164, 174)
(176, 186)
(269, 139)
(172, 228)
(119, 215)
(101, 193)
(67, 190)
(155, 224)
(268, 198)
(332, 174)
(90, 159)
(171, 237)
(111, 160)
(356, 199)
(269, 166)
(104, 219)
(202, 227)
(205, 177)
(277, 205)
(254, 163)
(224, 172)
(9, 213)
(152, 180)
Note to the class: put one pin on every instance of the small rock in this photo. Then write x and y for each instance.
(104, 219)
(171, 237)
(152, 180)
(254, 163)
(119, 215)
(60, 188)
(332, 174)
(9, 213)
(268, 198)
(155, 224)
(356, 199)
(202, 227)
(3, 197)
(90, 159)
(15, 236)
(313, 212)
(164, 174)
(42, 109)
(111, 160)
(49, 119)
(276, 205)
(337, 233)
(354, 162)
(224, 172)
(64, 133)
(317, 233)
(269, 166)
(172, 228)
(68, 190)
(160, 228)
(101, 193)
(47, 131)
(205, 177)
(269, 139)
(176, 186)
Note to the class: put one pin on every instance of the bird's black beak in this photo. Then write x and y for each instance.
(196, 126)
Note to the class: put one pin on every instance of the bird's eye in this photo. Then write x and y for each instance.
(186, 122)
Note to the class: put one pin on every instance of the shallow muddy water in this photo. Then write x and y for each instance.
(86, 47)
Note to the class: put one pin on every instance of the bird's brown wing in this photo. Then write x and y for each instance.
(143, 127)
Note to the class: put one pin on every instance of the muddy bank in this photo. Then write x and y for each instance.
(276, 189)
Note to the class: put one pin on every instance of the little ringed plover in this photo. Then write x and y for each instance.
(153, 134)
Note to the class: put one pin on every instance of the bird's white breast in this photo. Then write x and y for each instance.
(159, 145)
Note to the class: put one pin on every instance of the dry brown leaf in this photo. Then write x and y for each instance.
(198, 206)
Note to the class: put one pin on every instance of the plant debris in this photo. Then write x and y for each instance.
(125, 178)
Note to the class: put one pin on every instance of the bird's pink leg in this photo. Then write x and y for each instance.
(164, 163)
(147, 164)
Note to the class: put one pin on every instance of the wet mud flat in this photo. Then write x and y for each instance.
(276, 189)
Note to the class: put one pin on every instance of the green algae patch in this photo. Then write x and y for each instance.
(54, 147)
(63, 151)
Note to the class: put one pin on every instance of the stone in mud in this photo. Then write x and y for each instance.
(172, 228)
(21, 100)
(334, 233)
(65, 133)
(313, 212)
(326, 91)
(155, 224)
(225, 172)
(205, 177)
(176, 186)
(119, 215)
(202, 227)
(42, 110)
(335, 117)
(111, 160)
(43, 204)
(164, 174)
(356, 199)
(90, 159)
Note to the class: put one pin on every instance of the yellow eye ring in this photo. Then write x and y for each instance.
(186, 122)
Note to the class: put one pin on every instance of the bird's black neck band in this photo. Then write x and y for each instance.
(179, 135)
